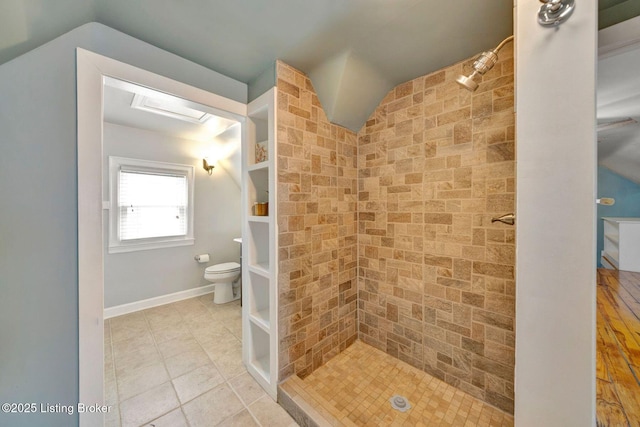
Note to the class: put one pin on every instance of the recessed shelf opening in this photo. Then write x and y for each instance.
(258, 245)
(257, 188)
(260, 358)
(259, 309)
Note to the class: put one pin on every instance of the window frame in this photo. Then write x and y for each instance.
(116, 245)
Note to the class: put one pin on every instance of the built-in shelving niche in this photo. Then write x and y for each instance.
(258, 191)
(260, 354)
(259, 310)
(259, 244)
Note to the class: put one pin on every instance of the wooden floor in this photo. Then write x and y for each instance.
(618, 349)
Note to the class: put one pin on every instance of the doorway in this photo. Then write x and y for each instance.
(618, 225)
(92, 71)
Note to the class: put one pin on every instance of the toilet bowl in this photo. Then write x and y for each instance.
(225, 277)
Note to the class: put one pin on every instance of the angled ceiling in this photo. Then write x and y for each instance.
(618, 100)
(385, 41)
(354, 50)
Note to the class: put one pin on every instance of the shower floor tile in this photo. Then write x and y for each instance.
(354, 388)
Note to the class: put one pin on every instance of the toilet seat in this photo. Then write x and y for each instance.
(225, 267)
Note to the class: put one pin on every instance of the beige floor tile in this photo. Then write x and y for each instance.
(207, 301)
(213, 331)
(112, 417)
(178, 346)
(142, 341)
(270, 414)
(109, 371)
(232, 306)
(229, 364)
(247, 388)
(236, 328)
(191, 308)
(135, 359)
(133, 382)
(108, 354)
(174, 418)
(160, 320)
(186, 362)
(129, 334)
(225, 314)
(213, 407)
(243, 419)
(132, 320)
(170, 332)
(227, 344)
(196, 343)
(224, 342)
(107, 331)
(148, 405)
(111, 392)
(197, 382)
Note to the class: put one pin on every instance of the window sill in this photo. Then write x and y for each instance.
(145, 246)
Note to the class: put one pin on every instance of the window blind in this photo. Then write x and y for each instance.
(151, 204)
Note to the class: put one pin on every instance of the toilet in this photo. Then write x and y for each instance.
(226, 278)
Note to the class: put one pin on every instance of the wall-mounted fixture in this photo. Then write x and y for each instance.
(481, 65)
(207, 166)
(555, 12)
(606, 201)
(509, 219)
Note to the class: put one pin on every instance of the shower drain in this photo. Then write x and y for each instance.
(400, 403)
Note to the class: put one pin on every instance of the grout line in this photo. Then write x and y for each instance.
(245, 406)
(226, 380)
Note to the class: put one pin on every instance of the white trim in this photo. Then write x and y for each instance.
(92, 69)
(264, 108)
(144, 304)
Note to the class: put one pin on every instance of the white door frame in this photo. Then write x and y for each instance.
(91, 70)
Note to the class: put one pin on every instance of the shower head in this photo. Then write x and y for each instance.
(481, 65)
(467, 82)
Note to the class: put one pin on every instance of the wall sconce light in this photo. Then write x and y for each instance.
(207, 166)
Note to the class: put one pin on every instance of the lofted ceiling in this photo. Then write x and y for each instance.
(353, 50)
(619, 100)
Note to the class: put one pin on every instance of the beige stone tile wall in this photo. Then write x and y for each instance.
(436, 277)
(317, 197)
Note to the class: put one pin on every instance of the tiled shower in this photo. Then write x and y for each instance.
(386, 235)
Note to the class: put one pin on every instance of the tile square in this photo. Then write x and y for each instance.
(197, 382)
(213, 407)
(149, 405)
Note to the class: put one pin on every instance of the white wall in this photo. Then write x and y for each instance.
(38, 219)
(556, 175)
(135, 276)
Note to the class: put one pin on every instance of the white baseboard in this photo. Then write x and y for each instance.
(132, 307)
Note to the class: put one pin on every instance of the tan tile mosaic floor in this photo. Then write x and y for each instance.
(181, 365)
(354, 388)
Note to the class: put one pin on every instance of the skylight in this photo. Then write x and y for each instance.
(169, 109)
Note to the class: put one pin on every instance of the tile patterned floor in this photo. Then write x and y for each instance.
(354, 388)
(181, 365)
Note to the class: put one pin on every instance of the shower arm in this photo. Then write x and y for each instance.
(483, 63)
(502, 43)
(486, 60)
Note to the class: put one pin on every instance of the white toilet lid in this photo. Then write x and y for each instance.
(223, 268)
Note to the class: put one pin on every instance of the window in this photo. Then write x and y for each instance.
(151, 205)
